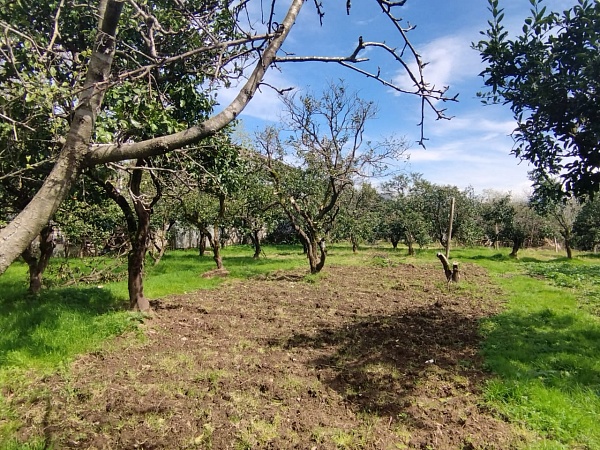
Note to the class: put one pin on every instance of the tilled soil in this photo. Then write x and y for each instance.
(366, 357)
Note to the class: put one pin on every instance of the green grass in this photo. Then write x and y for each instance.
(39, 335)
(544, 349)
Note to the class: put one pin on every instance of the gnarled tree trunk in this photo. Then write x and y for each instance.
(139, 241)
(411, 246)
(315, 253)
(517, 244)
(37, 266)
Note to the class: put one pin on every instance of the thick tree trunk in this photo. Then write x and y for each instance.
(569, 249)
(139, 244)
(566, 234)
(38, 266)
(517, 244)
(76, 154)
(316, 255)
(395, 242)
(22, 230)
(135, 269)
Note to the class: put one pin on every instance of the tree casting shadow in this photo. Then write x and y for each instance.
(561, 350)
(376, 362)
(28, 322)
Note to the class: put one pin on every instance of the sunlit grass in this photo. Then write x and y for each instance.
(40, 334)
(543, 350)
(545, 347)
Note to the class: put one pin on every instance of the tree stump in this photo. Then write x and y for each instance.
(452, 275)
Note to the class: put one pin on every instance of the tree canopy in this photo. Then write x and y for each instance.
(129, 79)
(550, 77)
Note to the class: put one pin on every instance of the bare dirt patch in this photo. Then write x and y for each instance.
(365, 357)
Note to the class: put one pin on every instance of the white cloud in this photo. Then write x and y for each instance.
(474, 123)
(474, 161)
(450, 60)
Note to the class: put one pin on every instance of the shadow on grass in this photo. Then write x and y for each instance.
(590, 255)
(41, 330)
(377, 362)
(560, 350)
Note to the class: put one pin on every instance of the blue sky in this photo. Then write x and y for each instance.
(472, 149)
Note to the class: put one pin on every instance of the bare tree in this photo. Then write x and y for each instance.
(326, 153)
(79, 151)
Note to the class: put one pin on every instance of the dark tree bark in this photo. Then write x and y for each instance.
(315, 252)
(255, 238)
(37, 266)
(135, 267)
(394, 241)
(138, 227)
(304, 246)
(568, 246)
(140, 239)
(77, 153)
(202, 243)
(517, 244)
(354, 245)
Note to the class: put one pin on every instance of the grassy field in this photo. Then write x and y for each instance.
(544, 348)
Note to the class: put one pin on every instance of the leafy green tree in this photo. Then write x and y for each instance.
(497, 216)
(562, 212)
(89, 219)
(527, 228)
(586, 228)
(550, 77)
(434, 202)
(207, 182)
(204, 211)
(403, 219)
(100, 88)
(359, 215)
(254, 208)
